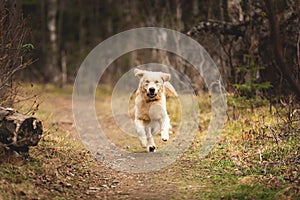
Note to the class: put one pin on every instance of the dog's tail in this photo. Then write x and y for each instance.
(170, 90)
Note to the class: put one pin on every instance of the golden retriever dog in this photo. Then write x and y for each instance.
(150, 110)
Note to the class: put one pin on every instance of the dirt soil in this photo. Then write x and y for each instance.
(77, 174)
(113, 184)
(60, 167)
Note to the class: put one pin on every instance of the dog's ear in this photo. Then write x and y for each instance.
(170, 90)
(138, 73)
(165, 77)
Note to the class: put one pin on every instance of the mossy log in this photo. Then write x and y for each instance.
(19, 131)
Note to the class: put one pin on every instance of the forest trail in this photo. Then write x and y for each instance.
(111, 184)
(237, 168)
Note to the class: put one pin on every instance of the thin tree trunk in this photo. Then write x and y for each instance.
(52, 28)
(82, 28)
(43, 24)
(64, 74)
(222, 57)
(63, 62)
(195, 8)
(278, 50)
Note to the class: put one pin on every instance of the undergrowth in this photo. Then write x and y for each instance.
(256, 157)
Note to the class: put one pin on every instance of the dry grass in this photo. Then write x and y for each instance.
(257, 157)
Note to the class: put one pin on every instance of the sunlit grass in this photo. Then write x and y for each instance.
(247, 150)
(254, 158)
(52, 165)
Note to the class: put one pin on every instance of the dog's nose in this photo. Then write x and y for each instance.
(152, 90)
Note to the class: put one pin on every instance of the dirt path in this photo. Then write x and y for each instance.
(110, 184)
(61, 168)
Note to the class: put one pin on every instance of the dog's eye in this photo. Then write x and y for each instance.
(156, 81)
(147, 81)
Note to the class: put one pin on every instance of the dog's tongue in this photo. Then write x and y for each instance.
(151, 95)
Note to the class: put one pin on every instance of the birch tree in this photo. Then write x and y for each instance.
(53, 55)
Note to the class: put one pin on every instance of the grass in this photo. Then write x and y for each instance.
(58, 166)
(257, 157)
(248, 162)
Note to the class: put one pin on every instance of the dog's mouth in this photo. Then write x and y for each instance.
(151, 95)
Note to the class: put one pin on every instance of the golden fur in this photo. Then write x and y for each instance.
(150, 106)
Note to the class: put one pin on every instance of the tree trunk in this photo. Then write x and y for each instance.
(82, 28)
(52, 67)
(235, 11)
(278, 50)
(195, 8)
(19, 131)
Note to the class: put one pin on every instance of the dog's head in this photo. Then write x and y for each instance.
(151, 83)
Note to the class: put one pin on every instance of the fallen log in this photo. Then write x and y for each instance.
(19, 131)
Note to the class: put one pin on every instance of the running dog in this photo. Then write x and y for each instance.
(150, 109)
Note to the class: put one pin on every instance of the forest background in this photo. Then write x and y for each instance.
(256, 47)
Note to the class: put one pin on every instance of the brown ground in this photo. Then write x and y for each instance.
(61, 168)
(113, 184)
(67, 171)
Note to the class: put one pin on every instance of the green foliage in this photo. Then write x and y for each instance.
(28, 47)
(25, 47)
(242, 102)
(261, 151)
(253, 86)
(250, 93)
(251, 192)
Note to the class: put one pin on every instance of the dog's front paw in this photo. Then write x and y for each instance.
(151, 148)
(143, 141)
(165, 136)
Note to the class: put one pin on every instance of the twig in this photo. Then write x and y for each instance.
(298, 52)
(260, 156)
